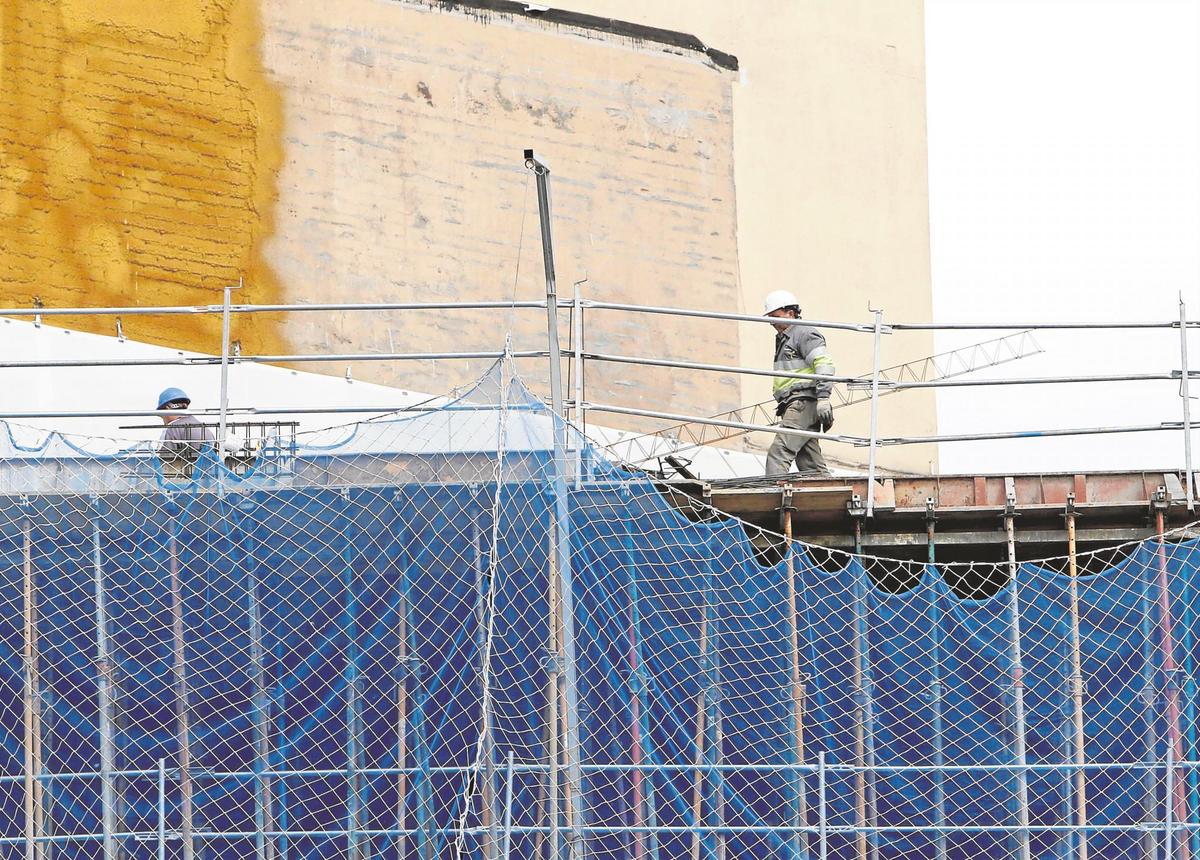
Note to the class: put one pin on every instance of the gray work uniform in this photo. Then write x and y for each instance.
(182, 441)
(800, 349)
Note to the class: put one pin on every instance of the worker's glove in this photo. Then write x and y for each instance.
(824, 414)
(781, 408)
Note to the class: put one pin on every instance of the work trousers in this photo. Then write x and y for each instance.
(788, 449)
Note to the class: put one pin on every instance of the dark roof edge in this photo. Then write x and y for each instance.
(640, 32)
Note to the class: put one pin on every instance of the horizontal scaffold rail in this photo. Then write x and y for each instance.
(866, 328)
(862, 441)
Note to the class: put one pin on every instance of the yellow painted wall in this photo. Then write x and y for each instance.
(139, 144)
(152, 153)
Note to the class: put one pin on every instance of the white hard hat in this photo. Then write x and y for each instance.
(779, 299)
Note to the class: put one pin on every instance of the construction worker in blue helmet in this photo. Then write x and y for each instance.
(802, 403)
(185, 437)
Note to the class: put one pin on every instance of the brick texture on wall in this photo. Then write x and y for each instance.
(403, 180)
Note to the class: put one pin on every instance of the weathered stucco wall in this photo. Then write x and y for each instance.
(404, 181)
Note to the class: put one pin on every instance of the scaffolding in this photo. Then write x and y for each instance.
(371, 653)
(462, 629)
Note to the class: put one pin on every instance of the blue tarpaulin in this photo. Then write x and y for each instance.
(333, 678)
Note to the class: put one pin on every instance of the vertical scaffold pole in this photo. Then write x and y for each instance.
(562, 525)
(875, 370)
(577, 379)
(822, 807)
(106, 696)
(1169, 807)
(1188, 622)
(402, 671)
(162, 809)
(224, 407)
(707, 793)
(698, 774)
(935, 688)
(1016, 669)
(264, 819)
(645, 806)
(508, 806)
(1187, 404)
(1079, 748)
(489, 820)
(423, 814)
(553, 669)
(715, 727)
(1178, 794)
(867, 838)
(800, 807)
(353, 715)
(280, 752)
(1149, 697)
(34, 805)
(181, 700)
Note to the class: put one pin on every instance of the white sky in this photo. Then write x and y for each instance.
(1063, 149)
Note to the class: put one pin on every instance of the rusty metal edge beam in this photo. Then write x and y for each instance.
(919, 538)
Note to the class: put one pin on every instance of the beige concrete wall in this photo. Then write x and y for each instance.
(832, 183)
(404, 181)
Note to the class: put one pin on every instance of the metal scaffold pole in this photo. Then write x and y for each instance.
(1017, 676)
(644, 801)
(1078, 746)
(34, 808)
(708, 781)
(489, 818)
(1187, 404)
(161, 835)
(577, 359)
(106, 696)
(561, 526)
(224, 368)
(553, 669)
(714, 729)
(875, 366)
(264, 818)
(402, 670)
(936, 698)
(356, 845)
(181, 699)
(822, 807)
(800, 805)
(867, 837)
(1177, 794)
(508, 806)
(423, 814)
(1187, 599)
(1149, 710)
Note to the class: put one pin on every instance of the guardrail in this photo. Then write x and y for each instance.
(579, 356)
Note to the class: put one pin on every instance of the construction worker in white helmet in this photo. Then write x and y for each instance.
(802, 403)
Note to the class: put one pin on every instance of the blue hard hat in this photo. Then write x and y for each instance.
(170, 395)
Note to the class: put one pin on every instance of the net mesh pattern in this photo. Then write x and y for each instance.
(440, 634)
